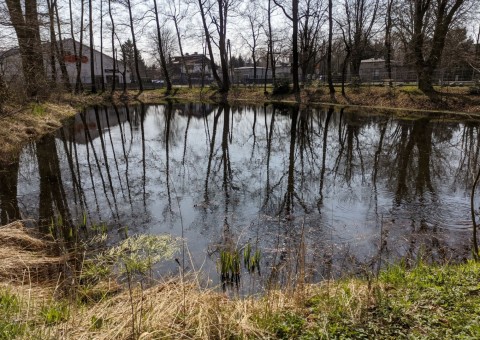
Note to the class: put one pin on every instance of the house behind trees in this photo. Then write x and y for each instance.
(11, 65)
(198, 68)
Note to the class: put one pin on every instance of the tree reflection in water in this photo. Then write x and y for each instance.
(320, 191)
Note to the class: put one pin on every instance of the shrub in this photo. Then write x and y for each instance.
(281, 86)
(475, 89)
(356, 84)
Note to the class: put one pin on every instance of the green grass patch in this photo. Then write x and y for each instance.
(412, 90)
(10, 328)
(427, 302)
(55, 312)
(38, 110)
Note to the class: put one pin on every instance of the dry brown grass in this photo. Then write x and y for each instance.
(454, 99)
(29, 123)
(205, 315)
(398, 304)
(25, 257)
(172, 310)
(175, 309)
(103, 310)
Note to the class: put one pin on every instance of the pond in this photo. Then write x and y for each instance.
(319, 192)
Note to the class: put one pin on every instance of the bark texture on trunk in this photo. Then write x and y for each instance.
(208, 42)
(426, 63)
(222, 31)
(28, 35)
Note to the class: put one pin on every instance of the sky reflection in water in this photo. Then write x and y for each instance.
(342, 190)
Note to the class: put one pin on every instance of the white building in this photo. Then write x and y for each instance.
(122, 73)
(11, 65)
(245, 75)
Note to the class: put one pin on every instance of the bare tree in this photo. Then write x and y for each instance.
(128, 4)
(177, 14)
(359, 20)
(61, 51)
(255, 22)
(425, 29)
(102, 81)
(112, 23)
(209, 41)
(78, 58)
(329, 49)
(52, 56)
(92, 56)
(163, 61)
(294, 18)
(388, 38)
(24, 19)
(220, 19)
(311, 14)
(270, 39)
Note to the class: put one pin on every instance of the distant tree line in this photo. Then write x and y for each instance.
(313, 36)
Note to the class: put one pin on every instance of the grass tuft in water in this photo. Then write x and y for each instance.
(251, 261)
(230, 265)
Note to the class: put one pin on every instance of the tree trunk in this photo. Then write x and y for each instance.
(163, 61)
(355, 61)
(78, 58)
(388, 41)
(222, 11)
(266, 73)
(135, 50)
(254, 67)
(51, 26)
(344, 71)
(187, 72)
(102, 82)
(92, 59)
(425, 79)
(270, 40)
(296, 85)
(444, 15)
(28, 35)
(113, 47)
(329, 50)
(61, 52)
(209, 45)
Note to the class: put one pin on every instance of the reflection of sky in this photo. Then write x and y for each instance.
(351, 218)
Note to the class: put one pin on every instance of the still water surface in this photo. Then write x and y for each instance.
(320, 192)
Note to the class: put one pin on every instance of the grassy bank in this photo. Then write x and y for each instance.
(427, 302)
(21, 122)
